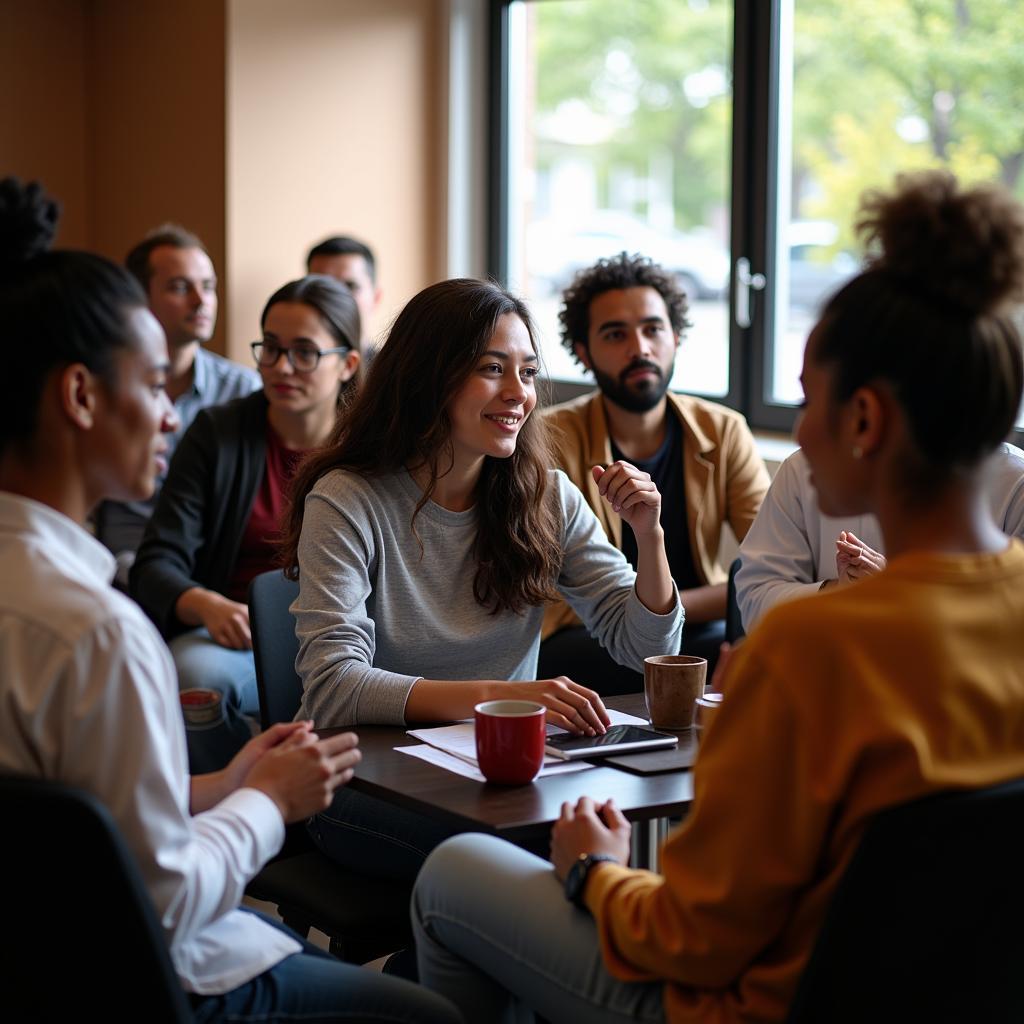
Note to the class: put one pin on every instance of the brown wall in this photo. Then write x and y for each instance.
(332, 129)
(260, 125)
(46, 108)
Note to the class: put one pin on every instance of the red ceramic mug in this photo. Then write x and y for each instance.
(510, 738)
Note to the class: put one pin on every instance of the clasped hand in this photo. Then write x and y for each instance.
(297, 769)
(854, 559)
(588, 828)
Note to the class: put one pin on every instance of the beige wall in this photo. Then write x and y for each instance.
(333, 128)
(262, 126)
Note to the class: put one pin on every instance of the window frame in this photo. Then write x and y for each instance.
(754, 151)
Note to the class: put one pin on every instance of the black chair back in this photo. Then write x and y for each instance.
(275, 646)
(927, 924)
(733, 620)
(81, 939)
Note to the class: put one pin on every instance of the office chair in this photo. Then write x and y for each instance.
(81, 938)
(364, 917)
(927, 924)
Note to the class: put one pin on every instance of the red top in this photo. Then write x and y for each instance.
(261, 542)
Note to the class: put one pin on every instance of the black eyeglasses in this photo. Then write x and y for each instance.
(304, 358)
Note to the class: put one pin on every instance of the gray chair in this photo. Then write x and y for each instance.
(925, 924)
(80, 937)
(364, 917)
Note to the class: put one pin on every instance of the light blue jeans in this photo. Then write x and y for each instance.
(202, 662)
(496, 936)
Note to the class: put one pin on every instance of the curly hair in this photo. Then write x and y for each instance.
(931, 315)
(622, 271)
(57, 307)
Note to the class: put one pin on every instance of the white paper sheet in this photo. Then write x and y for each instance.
(454, 747)
(432, 755)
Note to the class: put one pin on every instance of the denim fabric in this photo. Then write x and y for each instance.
(312, 986)
(496, 936)
(201, 662)
(374, 837)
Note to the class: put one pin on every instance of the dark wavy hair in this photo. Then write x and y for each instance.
(400, 418)
(56, 308)
(930, 317)
(338, 313)
(622, 271)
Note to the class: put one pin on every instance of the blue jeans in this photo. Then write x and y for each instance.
(312, 986)
(496, 936)
(202, 662)
(374, 837)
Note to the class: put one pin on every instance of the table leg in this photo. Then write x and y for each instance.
(645, 842)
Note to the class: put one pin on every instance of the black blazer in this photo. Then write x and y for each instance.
(196, 529)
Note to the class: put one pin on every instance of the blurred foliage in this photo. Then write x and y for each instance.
(880, 86)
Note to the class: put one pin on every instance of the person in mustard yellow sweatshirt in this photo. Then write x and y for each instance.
(837, 706)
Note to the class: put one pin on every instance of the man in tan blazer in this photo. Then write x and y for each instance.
(623, 320)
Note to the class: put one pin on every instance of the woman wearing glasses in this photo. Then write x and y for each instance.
(215, 526)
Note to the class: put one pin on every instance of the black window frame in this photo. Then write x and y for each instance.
(753, 203)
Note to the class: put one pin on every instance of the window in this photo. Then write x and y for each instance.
(730, 140)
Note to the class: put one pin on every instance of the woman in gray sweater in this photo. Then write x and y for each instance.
(429, 533)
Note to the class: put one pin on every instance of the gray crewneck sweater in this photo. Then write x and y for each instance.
(374, 615)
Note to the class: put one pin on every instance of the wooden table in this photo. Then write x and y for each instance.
(521, 814)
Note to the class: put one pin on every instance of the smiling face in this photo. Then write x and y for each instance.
(631, 347)
(296, 325)
(126, 449)
(183, 294)
(490, 408)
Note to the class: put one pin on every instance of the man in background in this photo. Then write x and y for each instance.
(352, 262)
(180, 283)
(623, 320)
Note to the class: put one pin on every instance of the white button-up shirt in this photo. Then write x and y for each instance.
(90, 699)
(791, 547)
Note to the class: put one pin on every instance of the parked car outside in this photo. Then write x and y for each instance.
(557, 249)
(816, 268)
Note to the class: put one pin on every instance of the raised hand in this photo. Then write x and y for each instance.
(632, 494)
(854, 559)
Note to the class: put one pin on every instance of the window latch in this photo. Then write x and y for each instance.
(745, 281)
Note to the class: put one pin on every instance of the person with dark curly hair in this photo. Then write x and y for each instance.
(837, 706)
(623, 319)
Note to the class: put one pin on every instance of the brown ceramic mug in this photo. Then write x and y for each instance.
(672, 683)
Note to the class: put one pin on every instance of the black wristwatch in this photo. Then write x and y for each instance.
(576, 880)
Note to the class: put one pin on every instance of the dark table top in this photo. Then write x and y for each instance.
(515, 812)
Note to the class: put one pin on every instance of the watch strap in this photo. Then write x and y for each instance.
(576, 880)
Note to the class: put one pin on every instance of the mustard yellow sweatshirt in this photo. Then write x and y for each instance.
(836, 706)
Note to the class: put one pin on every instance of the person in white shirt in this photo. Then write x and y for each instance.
(87, 685)
(792, 550)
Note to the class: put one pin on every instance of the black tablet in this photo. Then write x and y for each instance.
(617, 739)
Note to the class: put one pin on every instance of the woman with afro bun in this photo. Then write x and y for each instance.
(837, 706)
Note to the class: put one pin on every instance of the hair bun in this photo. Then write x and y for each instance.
(28, 222)
(960, 247)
